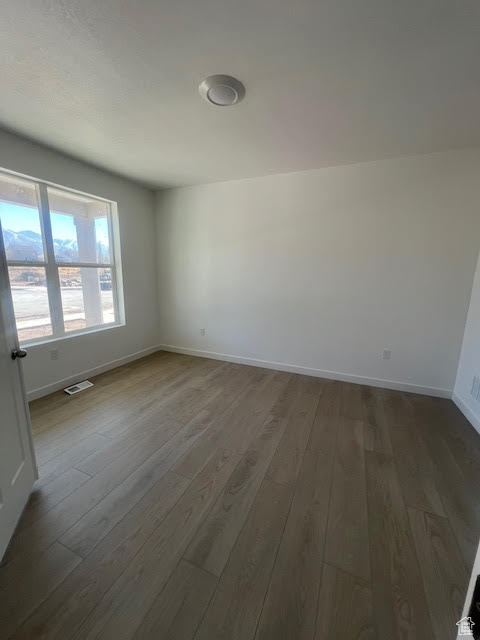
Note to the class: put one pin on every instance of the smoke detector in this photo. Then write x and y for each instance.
(222, 91)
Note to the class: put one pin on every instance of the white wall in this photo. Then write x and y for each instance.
(136, 218)
(324, 269)
(469, 365)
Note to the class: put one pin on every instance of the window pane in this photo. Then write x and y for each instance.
(79, 227)
(87, 297)
(30, 301)
(20, 219)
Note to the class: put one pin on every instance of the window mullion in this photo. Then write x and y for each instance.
(53, 279)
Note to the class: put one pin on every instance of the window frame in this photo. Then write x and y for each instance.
(52, 265)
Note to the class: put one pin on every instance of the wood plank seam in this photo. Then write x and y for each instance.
(328, 516)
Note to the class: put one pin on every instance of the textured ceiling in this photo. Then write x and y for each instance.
(329, 82)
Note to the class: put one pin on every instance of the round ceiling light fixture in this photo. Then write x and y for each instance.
(222, 91)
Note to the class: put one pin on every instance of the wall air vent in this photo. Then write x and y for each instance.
(76, 388)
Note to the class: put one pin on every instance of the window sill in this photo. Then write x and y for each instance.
(72, 334)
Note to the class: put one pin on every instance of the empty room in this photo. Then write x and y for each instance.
(239, 320)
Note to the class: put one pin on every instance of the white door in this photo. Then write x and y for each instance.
(18, 469)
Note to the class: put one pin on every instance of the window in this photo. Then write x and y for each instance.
(61, 249)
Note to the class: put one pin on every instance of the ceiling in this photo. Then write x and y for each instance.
(329, 82)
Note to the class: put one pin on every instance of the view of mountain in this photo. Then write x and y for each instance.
(27, 245)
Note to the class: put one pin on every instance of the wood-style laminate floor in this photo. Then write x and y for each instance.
(187, 498)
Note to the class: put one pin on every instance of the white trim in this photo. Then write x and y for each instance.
(52, 277)
(467, 411)
(37, 342)
(83, 265)
(254, 362)
(26, 263)
(319, 373)
(82, 375)
(29, 178)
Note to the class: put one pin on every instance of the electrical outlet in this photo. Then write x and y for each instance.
(202, 332)
(54, 354)
(387, 354)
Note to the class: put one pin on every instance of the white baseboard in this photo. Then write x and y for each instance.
(319, 373)
(266, 364)
(82, 375)
(467, 411)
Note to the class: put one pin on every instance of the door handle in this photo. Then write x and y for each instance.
(19, 353)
